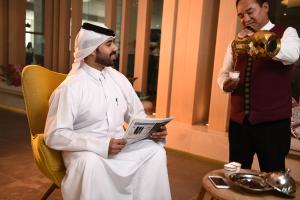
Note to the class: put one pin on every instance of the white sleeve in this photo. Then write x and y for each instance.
(59, 132)
(227, 66)
(290, 47)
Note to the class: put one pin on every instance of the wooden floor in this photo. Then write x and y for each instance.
(21, 180)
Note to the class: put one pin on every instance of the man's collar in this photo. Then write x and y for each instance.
(268, 26)
(94, 73)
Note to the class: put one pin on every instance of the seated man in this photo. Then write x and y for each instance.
(85, 121)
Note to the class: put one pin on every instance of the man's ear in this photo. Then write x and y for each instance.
(266, 6)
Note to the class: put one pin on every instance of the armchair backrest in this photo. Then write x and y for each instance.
(38, 83)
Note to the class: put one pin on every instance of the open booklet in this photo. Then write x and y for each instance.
(141, 128)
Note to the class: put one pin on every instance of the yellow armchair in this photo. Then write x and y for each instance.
(37, 85)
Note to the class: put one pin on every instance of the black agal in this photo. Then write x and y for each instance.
(98, 29)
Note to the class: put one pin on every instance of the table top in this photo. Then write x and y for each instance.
(236, 193)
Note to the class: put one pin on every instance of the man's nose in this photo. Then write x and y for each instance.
(115, 47)
(246, 18)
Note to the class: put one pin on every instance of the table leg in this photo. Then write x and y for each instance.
(201, 193)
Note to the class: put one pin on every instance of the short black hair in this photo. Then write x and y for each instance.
(260, 2)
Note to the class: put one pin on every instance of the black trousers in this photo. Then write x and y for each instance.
(270, 141)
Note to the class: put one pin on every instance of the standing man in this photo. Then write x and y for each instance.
(261, 98)
(85, 121)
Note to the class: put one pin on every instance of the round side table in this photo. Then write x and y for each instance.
(209, 191)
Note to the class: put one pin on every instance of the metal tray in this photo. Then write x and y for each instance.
(250, 181)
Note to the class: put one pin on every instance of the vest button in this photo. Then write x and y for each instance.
(248, 69)
(249, 63)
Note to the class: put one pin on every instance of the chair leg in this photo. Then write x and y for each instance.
(49, 191)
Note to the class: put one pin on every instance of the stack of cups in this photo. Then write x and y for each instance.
(232, 167)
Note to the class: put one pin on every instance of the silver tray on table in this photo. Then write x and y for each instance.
(250, 181)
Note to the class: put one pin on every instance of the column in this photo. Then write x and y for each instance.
(64, 36)
(193, 60)
(57, 35)
(76, 17)
(124, 36)
(219, 102)
(4, 32)
(110, 13)
(16, 30)
(166, 57)
(142, 45)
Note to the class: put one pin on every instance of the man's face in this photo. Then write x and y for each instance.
(252, 14)
(106, 53)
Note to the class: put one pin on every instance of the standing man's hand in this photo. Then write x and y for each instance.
(159, 135)
(245, 33)
(230, 84)
(116, 145)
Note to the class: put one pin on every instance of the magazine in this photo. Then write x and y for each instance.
(141, 128)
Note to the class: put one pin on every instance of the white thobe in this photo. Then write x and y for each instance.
(288, 54)
(85, 111)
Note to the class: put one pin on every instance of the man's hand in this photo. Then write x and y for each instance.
(245, 33)
(230, 84)
(160, 135)
(116, 145)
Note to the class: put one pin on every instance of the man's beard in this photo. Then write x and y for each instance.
(105, 61)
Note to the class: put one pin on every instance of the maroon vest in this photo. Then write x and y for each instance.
(264, 90)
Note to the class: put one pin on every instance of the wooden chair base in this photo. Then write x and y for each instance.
(49, 191)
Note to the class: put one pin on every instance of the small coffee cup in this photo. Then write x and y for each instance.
(234, 74)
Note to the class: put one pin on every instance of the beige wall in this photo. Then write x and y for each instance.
(194, 38)
(193, 56)
(192, 48)
(186, 59)
(219, 106)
